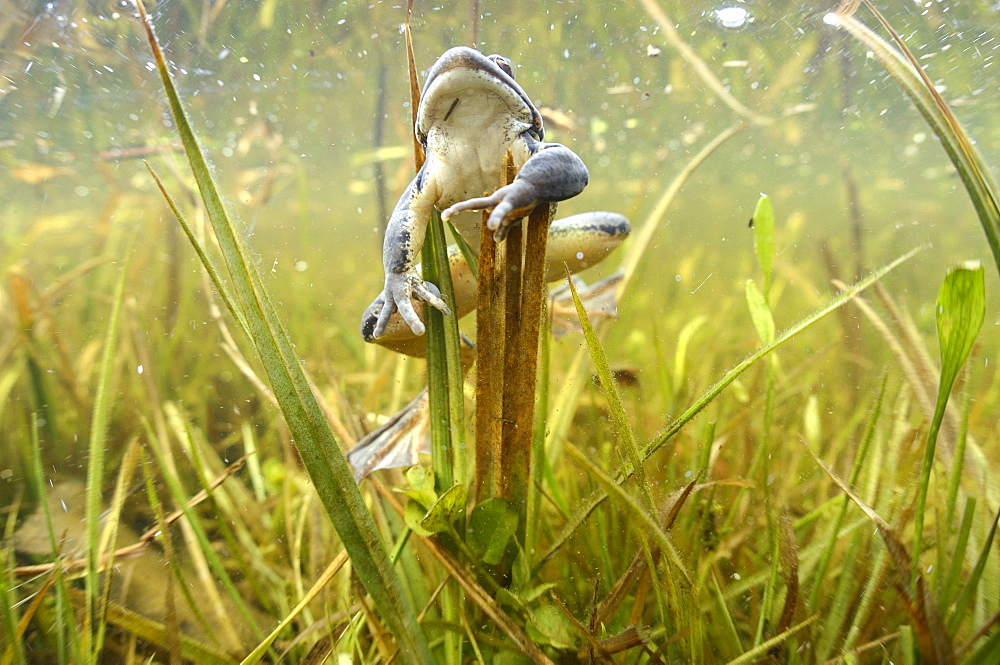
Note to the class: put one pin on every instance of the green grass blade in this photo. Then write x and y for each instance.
(154, 632)
(95, 469)
(631, 448)
(67, 640)
(444, 366)
(206, 261)
(913, 81)
(587, 505)
(539, 462)
(859, 460)
(873, 585)
(730, 631)
(950, 585)
(463, 246)
(968, 594)
(618, 415)
(171, 624)
(649, 525)
(262, 649)
(835, 303)
(988, 652)
(13, 647)
(180, 498)
(961, 309)
(317, 446)
(109, 536)
(753, 655)
(841, 601)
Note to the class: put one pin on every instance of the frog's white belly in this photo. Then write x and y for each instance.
(462, 169)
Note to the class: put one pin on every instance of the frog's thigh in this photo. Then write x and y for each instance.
(583, 240)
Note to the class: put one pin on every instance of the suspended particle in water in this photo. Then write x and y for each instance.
(732, 17)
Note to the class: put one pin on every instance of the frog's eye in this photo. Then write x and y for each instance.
(503, 63)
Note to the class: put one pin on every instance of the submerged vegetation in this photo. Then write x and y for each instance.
(746, 466)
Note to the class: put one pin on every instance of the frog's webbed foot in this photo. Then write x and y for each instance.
(599, 301)
(397, 443)
(400, 289)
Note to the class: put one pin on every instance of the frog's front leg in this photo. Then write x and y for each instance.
(552, 173)
(404, 237)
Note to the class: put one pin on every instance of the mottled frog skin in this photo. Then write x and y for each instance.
(472, 113)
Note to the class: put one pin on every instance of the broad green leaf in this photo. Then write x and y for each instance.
(961, 308)
(413, 515)
(520, 573)
(763, 238)
(420, 478)
(492, 524)
(421, 487)
(548, 625)
(760, 313)
(521, 581)
(445, 510)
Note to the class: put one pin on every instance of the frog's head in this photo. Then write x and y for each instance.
(468, 89)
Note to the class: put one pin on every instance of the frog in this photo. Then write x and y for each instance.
(471, 116)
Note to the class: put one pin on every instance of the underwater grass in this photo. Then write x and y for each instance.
(814, 588)
(96, 597)
(316, 443)
(587, 507)
(905, 70)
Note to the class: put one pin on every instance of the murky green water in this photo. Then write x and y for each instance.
(288, 98)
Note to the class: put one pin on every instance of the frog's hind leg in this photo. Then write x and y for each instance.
(600, 301)
(401, 440)
(397, 443)
(581, 241)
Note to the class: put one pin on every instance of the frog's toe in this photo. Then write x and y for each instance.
(410, 316)
(383, 319)
(480, 203)
(397, 443)
(508, 217)
(370, 319)
(431, 295)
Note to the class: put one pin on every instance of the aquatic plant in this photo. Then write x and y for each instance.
(709, 482)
